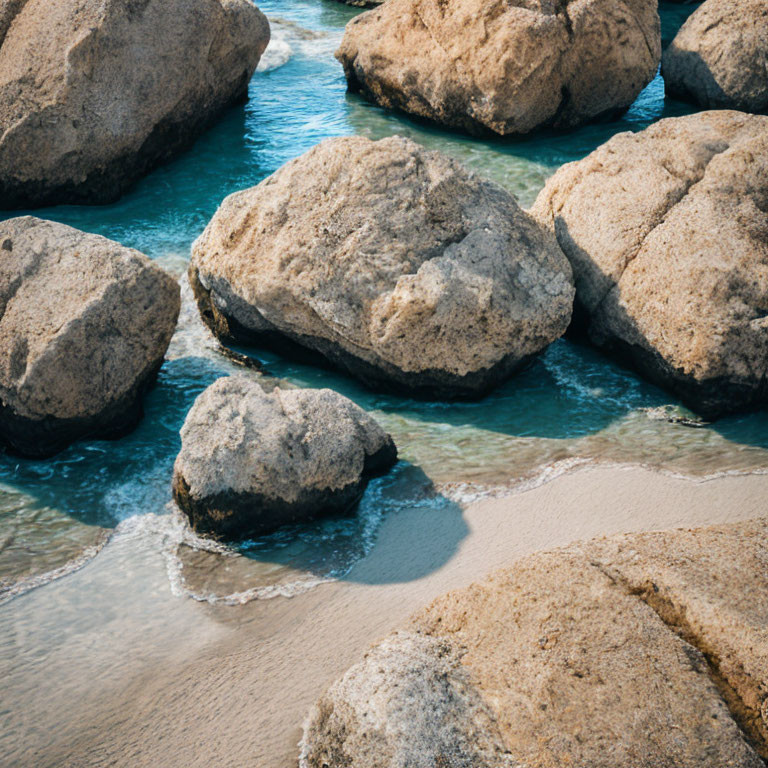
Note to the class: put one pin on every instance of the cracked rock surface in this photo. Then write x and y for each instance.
(505, 66)
(667, 234)
(251, 461)
(95, 93)
(393, 262)
(719, 58)
(84, 326)
(638, 651)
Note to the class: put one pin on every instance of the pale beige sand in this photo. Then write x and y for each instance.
(241, 698)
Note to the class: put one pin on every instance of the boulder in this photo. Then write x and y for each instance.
(84, 326)
(719, 58)
(95, 93)
(667, 234)
(393, 263)
(504, 67)
(251, 462)
(638, 651)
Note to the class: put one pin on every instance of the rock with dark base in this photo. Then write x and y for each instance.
(719, 58)
(505, 67)
(638, 651)
(84, 326)
(667, 234)
(390, 262)
(251, 462)
(95, 93)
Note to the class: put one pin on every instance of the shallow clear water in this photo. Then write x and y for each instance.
(572, 405)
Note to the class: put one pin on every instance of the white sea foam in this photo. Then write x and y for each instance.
(469, 493)
(27, 583)
(289, 39)
(277, 53)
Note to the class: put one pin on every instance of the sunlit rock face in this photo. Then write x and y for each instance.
(719, 58)
(94, 94)
(252, 461)
(504, 67)
(391, 262)
(667, 234)
(84, 326)
(631, 652)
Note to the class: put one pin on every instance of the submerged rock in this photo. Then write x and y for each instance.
(95, 93)
(392, 262)
(251, 461)
(719, 58)
(633, 652)
(505, 67)
(84, 325)
(667, 234)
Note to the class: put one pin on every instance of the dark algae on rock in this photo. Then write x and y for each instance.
(252, 461)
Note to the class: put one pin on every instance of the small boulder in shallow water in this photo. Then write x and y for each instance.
(719, 58)
(84, 326)
(393, 262)
(507, 67)
(251, 462)
(95, 93)
(667, 234)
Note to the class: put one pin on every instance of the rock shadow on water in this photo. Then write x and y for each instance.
(571, 390)
(427, 535)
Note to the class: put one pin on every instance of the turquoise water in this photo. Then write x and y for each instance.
(571, 406)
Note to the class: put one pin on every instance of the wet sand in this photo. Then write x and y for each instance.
(233, 685)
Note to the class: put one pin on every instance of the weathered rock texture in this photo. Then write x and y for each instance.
(251, 461)
(667, 234)
(84, 325)
(719, 58)
(639, 651)
(504, 66)
(394, 263)
(94, 93)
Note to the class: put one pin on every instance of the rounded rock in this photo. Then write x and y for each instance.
(719, 58)
(504, 67)
(393, 263)
(95, 93)
(251, 462)
(84, 326)
(667, 234)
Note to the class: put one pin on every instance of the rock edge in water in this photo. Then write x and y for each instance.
(84, 325)
(81, 119)
(388, 261)
(667, 234)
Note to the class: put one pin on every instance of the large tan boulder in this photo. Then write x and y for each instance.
(667, 234)
(84, 326)
(641, 651)
(392, 262)
(503, 67)
(95, 93)
(719, 58)
(252, 461)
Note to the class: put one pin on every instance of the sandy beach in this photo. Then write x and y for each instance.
(236, 684)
